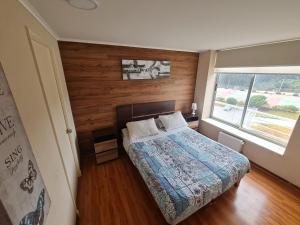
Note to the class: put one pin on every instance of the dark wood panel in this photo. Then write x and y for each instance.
(114, 193)
(152, 108)
(95, 85)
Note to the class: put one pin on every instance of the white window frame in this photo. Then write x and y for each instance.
(252, 71)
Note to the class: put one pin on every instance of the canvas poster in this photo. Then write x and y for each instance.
(145, 69)
(24, 199)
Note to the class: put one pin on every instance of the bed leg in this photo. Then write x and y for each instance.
(237, 183)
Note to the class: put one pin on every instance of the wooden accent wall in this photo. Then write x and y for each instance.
(94, 80)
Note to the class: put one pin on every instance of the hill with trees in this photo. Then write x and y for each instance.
(263, 82)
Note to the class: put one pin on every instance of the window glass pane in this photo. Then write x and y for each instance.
(230, 97)
(273, 106)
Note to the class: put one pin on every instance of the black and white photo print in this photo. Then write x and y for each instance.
(145, 69)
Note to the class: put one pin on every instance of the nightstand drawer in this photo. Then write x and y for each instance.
(105, 145)
(106, 156)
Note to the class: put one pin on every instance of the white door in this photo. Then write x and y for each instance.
(66, 106)
(46, 69)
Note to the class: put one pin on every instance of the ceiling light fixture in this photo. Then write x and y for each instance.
(84, 4)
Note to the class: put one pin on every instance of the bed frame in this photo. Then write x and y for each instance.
(140, 111)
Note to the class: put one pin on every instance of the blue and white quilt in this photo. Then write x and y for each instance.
(185, 170)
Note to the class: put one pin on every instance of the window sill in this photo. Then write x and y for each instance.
(247, 137)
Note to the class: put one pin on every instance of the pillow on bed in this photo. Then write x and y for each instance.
(159, 124)
(173, 121)
(125, 133)
(141, 129)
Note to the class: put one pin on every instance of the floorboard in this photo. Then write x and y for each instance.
(114, 193)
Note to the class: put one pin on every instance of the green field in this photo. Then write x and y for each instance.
(289, 115)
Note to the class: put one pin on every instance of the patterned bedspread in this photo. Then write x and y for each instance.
(186, 170)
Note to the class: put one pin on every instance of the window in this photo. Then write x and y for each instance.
(262, 101)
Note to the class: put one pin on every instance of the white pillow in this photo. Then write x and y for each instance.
(141, 129)
(173, 121)
(125, 133)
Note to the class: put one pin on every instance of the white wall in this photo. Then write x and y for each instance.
(18, 64)
(286, 166)
(203, 98)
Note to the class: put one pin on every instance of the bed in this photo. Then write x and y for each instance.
(183, 169)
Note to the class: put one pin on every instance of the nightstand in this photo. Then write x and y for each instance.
(105, 144)
(192, 121)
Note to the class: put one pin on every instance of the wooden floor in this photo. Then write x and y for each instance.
(114, 193)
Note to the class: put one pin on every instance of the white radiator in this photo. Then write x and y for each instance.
(230, 141)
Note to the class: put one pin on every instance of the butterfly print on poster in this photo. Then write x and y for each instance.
(36, 217)
(28, 182)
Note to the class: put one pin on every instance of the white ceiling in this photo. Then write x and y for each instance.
(193, 25)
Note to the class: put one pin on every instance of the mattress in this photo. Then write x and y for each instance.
(185, 170)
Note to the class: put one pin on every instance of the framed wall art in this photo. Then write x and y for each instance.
(145, 69)
(24, 199)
